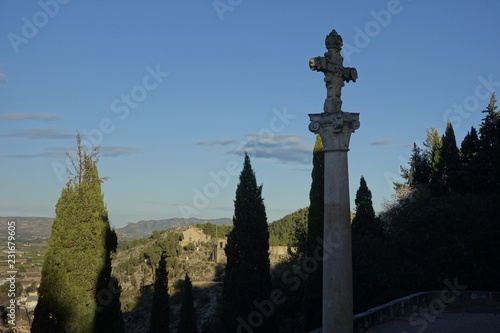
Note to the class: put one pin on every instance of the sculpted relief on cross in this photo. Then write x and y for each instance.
(335, 72)
(334, 125)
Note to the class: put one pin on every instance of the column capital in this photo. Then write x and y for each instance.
(334, 128)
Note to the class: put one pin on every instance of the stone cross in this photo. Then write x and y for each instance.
(335, 128)
(335, 72)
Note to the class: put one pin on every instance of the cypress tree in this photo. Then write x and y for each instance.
(449, 162)
(313, 297)
(78, 254)
(160, 316)
(365, 223)
(247, 280)
(188, 315)
(109, 317)
(368, 247)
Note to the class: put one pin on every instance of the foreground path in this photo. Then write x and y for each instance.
(447, 322)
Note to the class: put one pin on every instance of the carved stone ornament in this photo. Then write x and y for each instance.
(335, 129)
(333, 125)
(333, 41)
(331, 65)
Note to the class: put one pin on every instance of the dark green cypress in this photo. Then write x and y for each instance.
(313, 297)
(449, 166)
(160, 316)
(78, 254)
(365, 223)
(188, 315)
(247, 280)
(109, 317)
(471, 166)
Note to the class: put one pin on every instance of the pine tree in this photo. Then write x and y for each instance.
(188, 315)
(247, 280)
(313, 297)
(160, 317)
(434, 144)
(419, 172)
(488, 130)
(78, 255)
(490, 146)
(470, 162)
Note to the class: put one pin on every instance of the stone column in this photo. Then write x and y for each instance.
(335, 131)
(335, 128)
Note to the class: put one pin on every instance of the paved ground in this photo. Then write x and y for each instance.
(446, 322)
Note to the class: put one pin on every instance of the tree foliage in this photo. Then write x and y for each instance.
(188, 315)
(489, 154)
(5, 288)
(313, 297)
(247, 279)
(369, 246)
(450, 227)
(471, 166)
(288, 230)
(214, 230)
(365, 223)
(160, 317)
(448, 167)
(77, 265)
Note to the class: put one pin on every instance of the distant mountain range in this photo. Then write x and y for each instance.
(143, 228)
(32, 228)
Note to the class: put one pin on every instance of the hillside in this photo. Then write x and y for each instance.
(32, 228)
(196, 250)
(27, 228)
(135, 262)
(144, 228)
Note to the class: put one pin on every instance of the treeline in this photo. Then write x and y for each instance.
(214, 230)
(444, 222)
(288, 230)
(442, 228)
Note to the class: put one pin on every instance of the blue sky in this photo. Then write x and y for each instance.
(174, 92)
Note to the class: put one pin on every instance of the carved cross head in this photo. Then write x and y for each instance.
(331, 65)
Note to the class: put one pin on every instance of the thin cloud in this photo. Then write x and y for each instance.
(383, 142)
(51, 153)
(41, 133)
(30, 116)
(218, 142)
(60, 152)
(115, 151)
(285, 148)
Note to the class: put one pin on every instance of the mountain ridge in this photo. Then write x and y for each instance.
(144, 228)
(31, 228)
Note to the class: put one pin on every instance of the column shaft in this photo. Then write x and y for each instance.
(337, 268)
